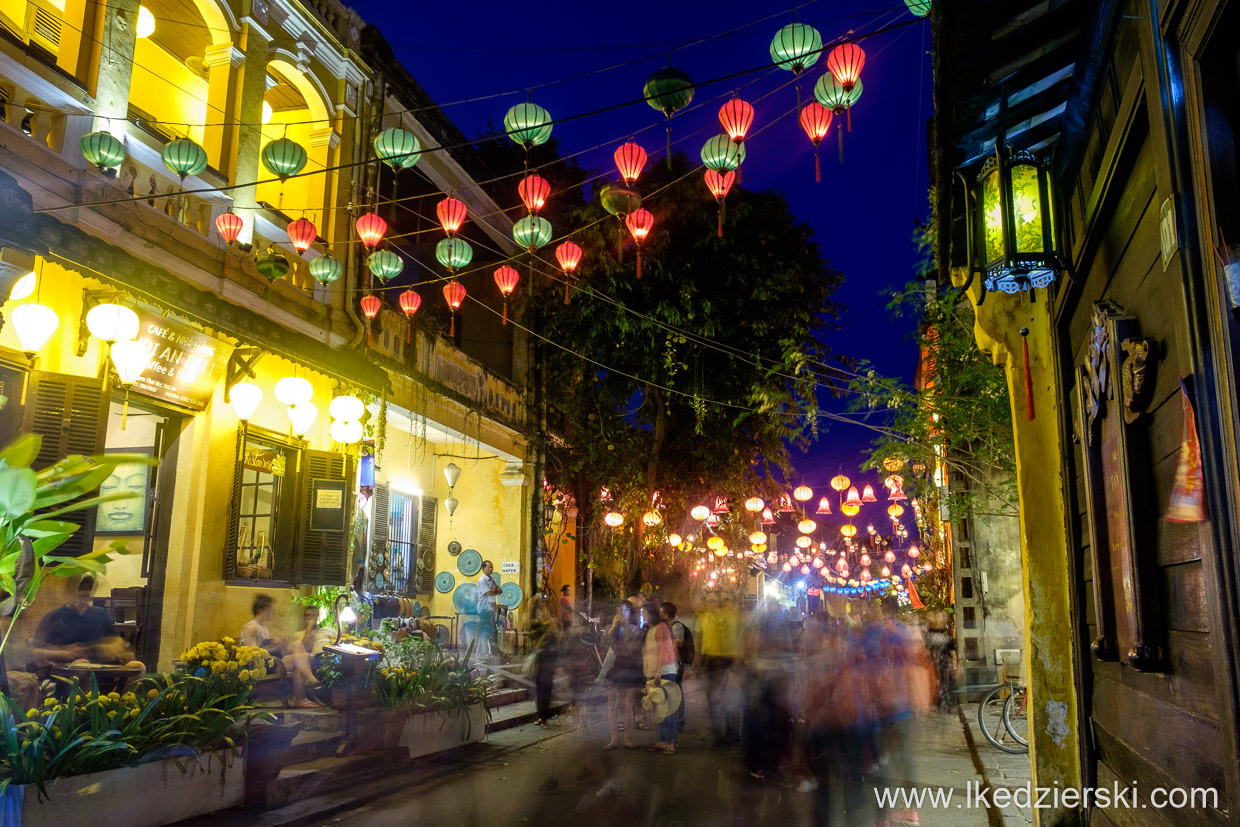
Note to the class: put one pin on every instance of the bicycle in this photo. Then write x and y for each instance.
(1003, 718)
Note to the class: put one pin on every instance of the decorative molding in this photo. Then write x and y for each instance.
(221, 53)
(325, 137)
(1135, 381)
(256, 27)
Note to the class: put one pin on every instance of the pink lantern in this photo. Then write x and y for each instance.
(454, 294)
(301, 234)
(506, 280)
(534, 190)
(451, 214)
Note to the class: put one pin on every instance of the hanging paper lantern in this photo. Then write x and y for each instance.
(284, 158)
(894, 481)
(736, 116)
(768, 518)
(410, 301)
(897, 493)
(895, 510)
(674, 539)
(532, 232)
(229, 225)
(451, 214)
(534, 190)
(816, 121)
(796, 47)
(370, 229)
(618, 200)
(846, 62)
(807, 526)
(850, 509)
(864, 559)
(371, 305)
(630, 160)
(918, 467)
(757, 538)
(893, 464)
(385, 264)
(454, 253)
(699, 512)
(867, 495)
(719, 184)
(754, 504)
(184, 157)
(272, 264)
(802, 493)
(918, 8)
(721, 154)
(824, 506)
(651, 519)
(569, 256)
(840, 482)
(397, 148)
(454, 295)
(668, 90)
(848, 530)
(721, 506)
(614, 519)
(832, 94)
(639, 223)
(714, 543)
(103, 149)
(803, 542)
(326, 269)
(913, 552)
(528, 124)
(506, 280)
(302, 233)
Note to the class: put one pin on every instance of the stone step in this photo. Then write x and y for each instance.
(516, 714)
(310, 745)
(506, 696)
(320, 775)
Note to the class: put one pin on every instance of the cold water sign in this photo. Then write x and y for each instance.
(186, 364)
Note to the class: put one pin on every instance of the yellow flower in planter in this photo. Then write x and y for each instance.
(152, 694)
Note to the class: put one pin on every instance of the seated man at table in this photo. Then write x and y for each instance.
(78, 632)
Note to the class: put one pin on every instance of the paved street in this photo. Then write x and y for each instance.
(697, 786)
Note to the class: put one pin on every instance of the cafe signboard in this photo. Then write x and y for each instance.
(186, 364)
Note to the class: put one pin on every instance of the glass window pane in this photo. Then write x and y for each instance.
(247, 499)
(992, 216)
(265, 500)
(1027, 209)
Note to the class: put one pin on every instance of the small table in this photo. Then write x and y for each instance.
(109, 676)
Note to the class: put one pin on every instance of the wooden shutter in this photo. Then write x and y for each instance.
(70, 413)
(425, 567)
(380, 519)
(234, 511)
(323, 555)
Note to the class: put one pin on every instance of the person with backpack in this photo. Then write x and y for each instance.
(686, 651)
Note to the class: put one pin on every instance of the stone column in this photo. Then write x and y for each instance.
(249, 139)
(116, 47)
(223, 62)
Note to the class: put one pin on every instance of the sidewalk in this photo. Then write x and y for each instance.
(998, 769)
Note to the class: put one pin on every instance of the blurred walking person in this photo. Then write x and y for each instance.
(660, 663)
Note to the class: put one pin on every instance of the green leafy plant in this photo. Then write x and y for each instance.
(31, 505)
(424, 677)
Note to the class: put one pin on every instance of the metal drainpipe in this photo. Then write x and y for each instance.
(351, 259)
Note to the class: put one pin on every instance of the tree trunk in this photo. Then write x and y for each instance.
(636, 577)
(538, 530)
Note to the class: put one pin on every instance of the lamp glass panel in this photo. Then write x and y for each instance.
(992, 216)
(1026, 209)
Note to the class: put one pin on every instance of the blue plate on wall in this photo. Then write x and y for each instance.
(465, 598)
(510, 595)
(469, 563)
(417, 609)
(444, 581)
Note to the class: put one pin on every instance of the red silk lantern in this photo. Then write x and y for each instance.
(846, 62)
(506, 280)
(370, 229)
(630, 159)
(229, 225)
(867, 495)
(736, 116)
(451, 215)
(534, 190)
(824, 506)
(816, 121)
(639, 223)
(410, 301)
(371, 305)
(302, 233)
(454, 294)
(569, 256)
(719, 186)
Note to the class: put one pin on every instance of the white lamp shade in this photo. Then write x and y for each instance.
(130, 359)
(452, 473)
(302, 417)
(347, 615)
(293, 391)
(34, 324)
(346, 408)
(346, 432)
(451, 503)
(112, 322)
(245, 397)
(24, 288)
(146, 23)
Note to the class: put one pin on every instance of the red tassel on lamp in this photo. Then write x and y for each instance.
(410, 301)
(569, 256)
(506, 280)
(371, 305)
(816, 121)
(639, 223)
(1024, 344)
(454, 294)
(719, 185)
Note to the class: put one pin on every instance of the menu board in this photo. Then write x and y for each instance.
(186, 364)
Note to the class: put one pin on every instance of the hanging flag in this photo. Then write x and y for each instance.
(1188, 495)
(913, 598)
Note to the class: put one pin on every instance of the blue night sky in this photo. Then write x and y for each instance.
(599, 55)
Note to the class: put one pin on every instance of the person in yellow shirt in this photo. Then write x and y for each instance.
(719, 649)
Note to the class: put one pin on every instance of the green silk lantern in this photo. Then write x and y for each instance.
(397, 148)
(532, 232)
(284, 158)
(528, 124)
(325, 269)
(618, 200)
(384, 264)
(272, 264)
(918, 8)
(103, 150)
(454, 253)
(831, 93)
(796, 47)
(184, 157)
(668, 90)
(722, 154)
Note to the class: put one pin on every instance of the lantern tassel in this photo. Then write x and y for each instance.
(1024, 344)
(505, 319)
(125, 410)
(669, 143)
(841, 137)
(639, 262)
(370, 333)
(566, 289)
(817, 167)
(721, 220)
(848, 113)
(452, 325)
(409, 331)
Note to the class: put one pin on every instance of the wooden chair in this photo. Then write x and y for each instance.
(276, 686)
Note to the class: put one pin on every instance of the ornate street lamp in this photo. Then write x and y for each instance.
(1013, 226)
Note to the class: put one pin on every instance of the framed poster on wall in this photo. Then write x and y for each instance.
(328, 505)
(126, 517)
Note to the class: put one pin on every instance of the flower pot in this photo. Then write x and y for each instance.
(426, 733)
(144, 795)
(265, 749)
(379, 729)
(362, 698)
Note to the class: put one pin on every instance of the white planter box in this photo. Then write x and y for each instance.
(148, 795)
(430, 732)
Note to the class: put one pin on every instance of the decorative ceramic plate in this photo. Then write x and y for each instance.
(417, 609)
(444, 581)
(442, 635)
(379, 581)
(465, 598)
(454, 548)
(378, 559)
(469, 563)
(510, 595)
